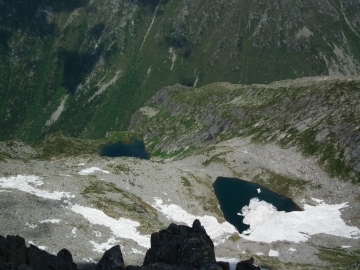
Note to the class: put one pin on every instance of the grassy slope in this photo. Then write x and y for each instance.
(87, 44)
(317, 115)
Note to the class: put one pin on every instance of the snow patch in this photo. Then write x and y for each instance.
(292, 249)
(92, 170)
(259, 253)
(28, 183)
(53, 221)
(123, 228)
(346, 246)
(90, 260)
(40, 247)
(317, 200)
(218, 232)
(73, 232)
(101, 248)
(31, 226)
(259, 190)
(297, 226)
(135, 251)
(273, 253)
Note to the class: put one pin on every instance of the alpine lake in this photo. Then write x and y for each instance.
(233, 194)
(120, 149)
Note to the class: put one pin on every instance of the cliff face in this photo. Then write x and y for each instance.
(86, 66)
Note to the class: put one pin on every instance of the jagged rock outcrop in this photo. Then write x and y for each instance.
(15, 255)
(181, 247)
(112, 260)
(178, 247)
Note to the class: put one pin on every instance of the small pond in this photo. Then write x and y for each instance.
(233, 194)
(119, 149)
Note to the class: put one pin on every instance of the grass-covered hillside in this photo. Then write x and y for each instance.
(319, 116)
(85, 67)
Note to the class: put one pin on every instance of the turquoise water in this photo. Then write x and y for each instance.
(233, 194)
(135, 149)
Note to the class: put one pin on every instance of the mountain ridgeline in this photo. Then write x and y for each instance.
(319, 116)
(85, 67)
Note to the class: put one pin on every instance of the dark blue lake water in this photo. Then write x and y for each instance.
(233, 194)
(135, 149)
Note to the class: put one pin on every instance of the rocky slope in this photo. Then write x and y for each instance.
(319, 116)
(85, 66)
(89, 203)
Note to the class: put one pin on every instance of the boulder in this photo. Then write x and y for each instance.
(112, 260)
(17, 249)
(247, 265)
(40, 259)
(15, 255)
(224, 265)
(181, 247)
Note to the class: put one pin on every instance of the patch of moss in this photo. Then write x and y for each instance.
(281, 184)
(234, 237)
(185, 181)
(339, 258)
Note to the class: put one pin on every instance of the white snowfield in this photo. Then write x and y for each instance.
(218, 232)
(92, 170)
(123, 228)
(28, 184)
(266, 223)
(269, 225)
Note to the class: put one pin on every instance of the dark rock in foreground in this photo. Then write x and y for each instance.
(247, 265)
(15, 255)
(224, 265)
(112, 259)
(176, 248)
(183, 247)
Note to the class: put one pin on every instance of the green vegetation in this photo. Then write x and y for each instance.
(234, 237)
(185, 181)
(338, 257)
(281, 184)
(60, 144)
(103, 62)
(274, 113)
(117, 203)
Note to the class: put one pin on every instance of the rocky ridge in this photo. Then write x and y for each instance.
(175, 248)
(317, 115)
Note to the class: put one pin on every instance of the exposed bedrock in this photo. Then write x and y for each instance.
(177, 247)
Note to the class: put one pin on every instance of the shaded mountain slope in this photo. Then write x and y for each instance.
(86, 66)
